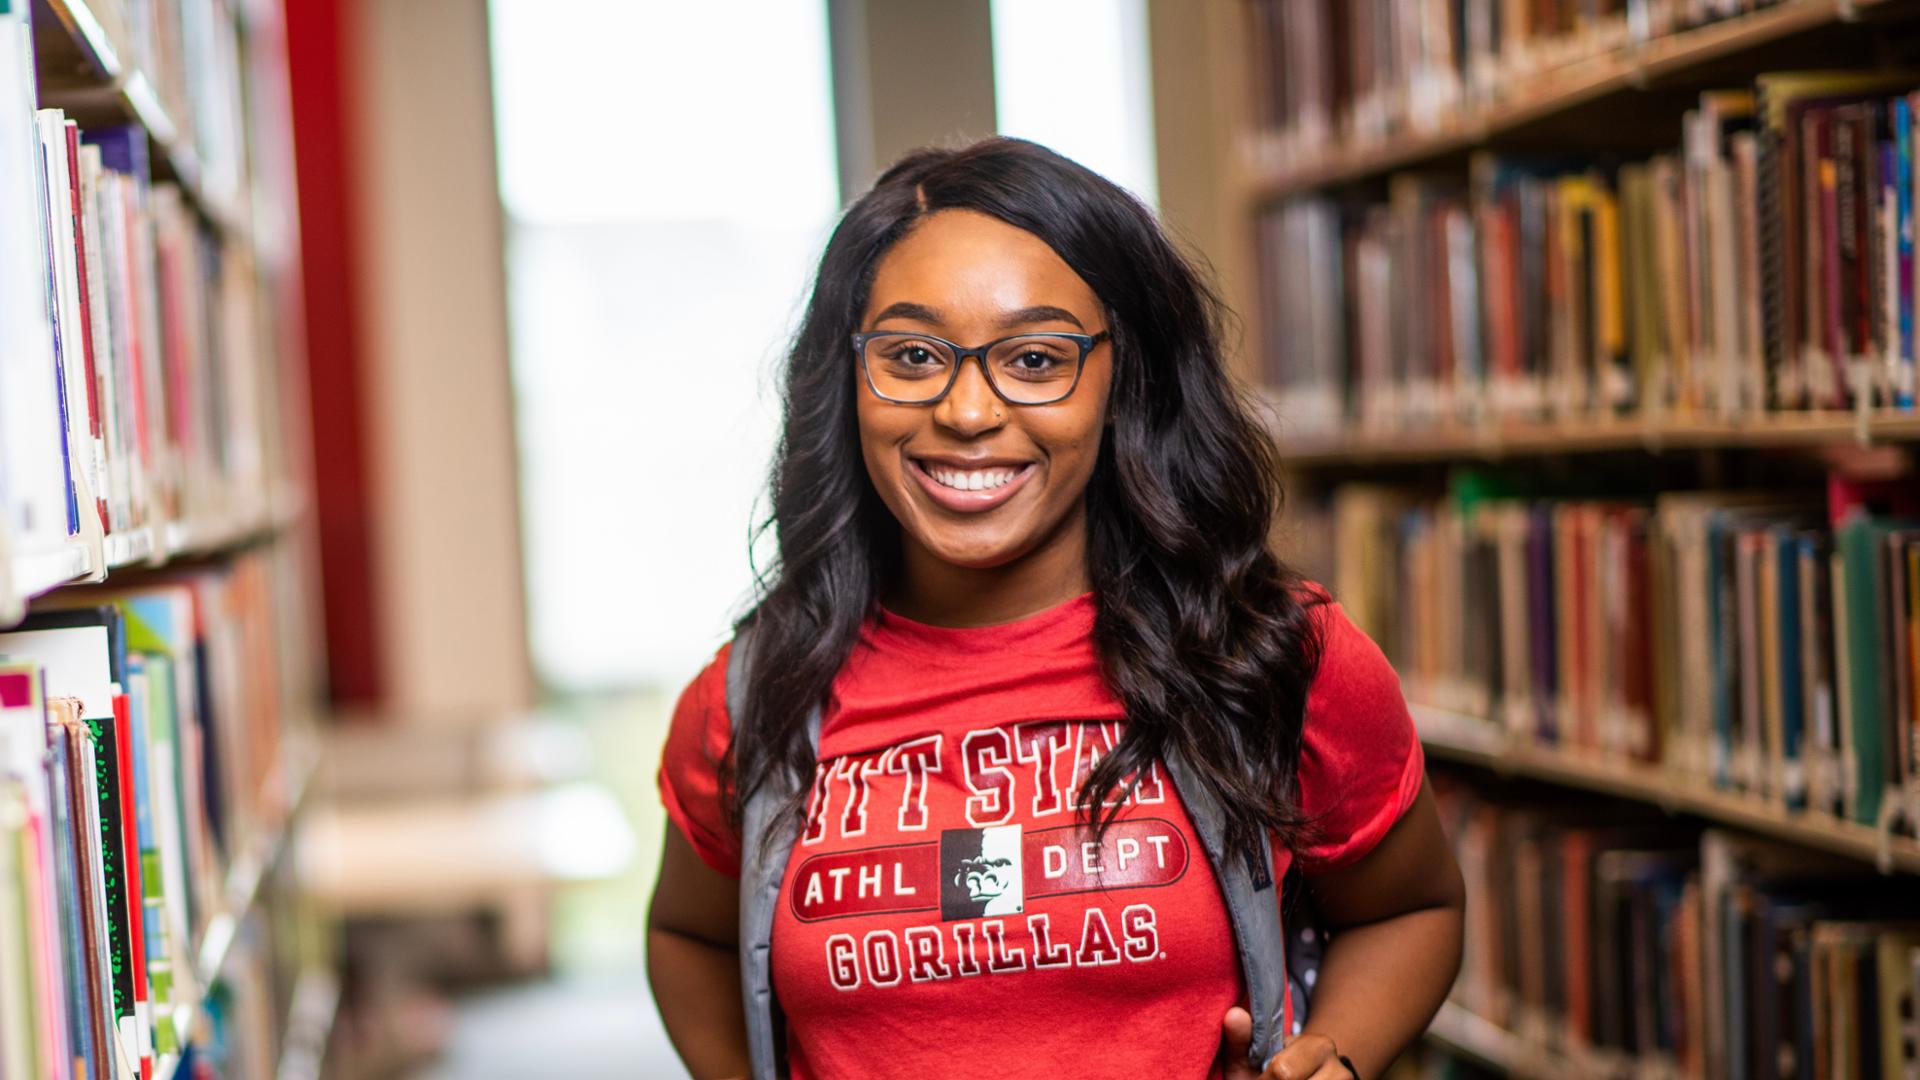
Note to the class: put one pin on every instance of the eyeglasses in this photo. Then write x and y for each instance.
(1025, 369)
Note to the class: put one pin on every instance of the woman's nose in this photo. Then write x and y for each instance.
(971, 407)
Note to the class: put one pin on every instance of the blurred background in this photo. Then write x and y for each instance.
(401, 375)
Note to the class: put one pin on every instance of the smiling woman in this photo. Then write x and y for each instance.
(1024, 636)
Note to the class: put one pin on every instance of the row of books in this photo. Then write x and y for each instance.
(1636, 946)
(1759, 642)
(137, 382)
(191, 53)
(1765, 264)
(142, 755)
(1361, 71)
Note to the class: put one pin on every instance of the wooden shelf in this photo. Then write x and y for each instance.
(185, 539)
(1551, 93)
(1807, 429)
(34, 574)
(1468, 740)
(127, 548)
(1470, 1035)
(89, 70)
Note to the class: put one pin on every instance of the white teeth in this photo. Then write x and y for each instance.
(971, 479)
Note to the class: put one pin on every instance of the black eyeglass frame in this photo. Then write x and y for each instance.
(1086, 342)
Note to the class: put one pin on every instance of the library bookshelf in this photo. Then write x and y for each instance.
(1588, 333)
(170, 441)
(1814, 430)
(1272, 171)
(1471, 1036)
(1452, 737)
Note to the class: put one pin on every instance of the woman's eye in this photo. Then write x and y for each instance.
(1035, 360)
(915, 355)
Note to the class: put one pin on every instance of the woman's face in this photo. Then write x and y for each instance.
(974, 481)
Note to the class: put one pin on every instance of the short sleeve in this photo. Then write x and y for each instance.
(1361, 764)
(690, 768)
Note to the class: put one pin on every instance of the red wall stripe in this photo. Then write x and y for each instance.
(323, 74)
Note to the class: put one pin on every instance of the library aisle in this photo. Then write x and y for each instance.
(597, 1012)
(387, 391)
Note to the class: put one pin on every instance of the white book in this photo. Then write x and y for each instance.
(33, 472)
(70, 324)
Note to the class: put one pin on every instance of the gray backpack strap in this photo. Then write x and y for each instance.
(1253, 906)
(762, 866)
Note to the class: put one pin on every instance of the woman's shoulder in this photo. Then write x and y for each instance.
(700, 725)
(1360, 758)
(1311, 594)
(689, 779)
(1324, 614)
(1351, 668)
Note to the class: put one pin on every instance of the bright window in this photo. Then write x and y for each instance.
(669, 180)
(1074, 75)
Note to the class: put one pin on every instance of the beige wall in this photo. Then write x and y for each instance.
(907, 73)
(1197, 90)
(446, 537)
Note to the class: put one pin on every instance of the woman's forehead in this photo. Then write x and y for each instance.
(972, 270)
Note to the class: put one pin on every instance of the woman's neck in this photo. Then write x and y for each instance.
(931, 590)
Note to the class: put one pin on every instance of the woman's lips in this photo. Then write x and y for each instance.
(969, 501)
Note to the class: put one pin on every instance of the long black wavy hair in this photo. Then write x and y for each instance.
(1201, 632)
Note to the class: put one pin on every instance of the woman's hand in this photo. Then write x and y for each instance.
(1306, 1056)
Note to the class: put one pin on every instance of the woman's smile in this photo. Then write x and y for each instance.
(970, 485)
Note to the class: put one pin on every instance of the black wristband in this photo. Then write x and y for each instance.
(1348, 1062)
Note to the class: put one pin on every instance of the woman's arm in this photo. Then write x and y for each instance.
(693, 962)
(1395, 916)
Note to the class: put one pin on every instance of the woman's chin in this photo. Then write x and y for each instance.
(976, 552)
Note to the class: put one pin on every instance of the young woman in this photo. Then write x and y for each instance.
(1022, 517)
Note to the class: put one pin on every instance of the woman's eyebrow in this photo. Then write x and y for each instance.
(1038, 313)
(907, 309)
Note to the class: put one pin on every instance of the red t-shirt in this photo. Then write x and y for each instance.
(940, 915)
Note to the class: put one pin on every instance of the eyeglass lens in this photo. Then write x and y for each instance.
(1031, 369)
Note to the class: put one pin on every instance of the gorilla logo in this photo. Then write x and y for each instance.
(980, 872)
(985, 878)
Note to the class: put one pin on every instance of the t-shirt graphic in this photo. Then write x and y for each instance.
(980, 872)
(946, 892)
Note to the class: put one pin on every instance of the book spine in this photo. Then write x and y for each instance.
(1777, 265)
(1834, 274)
(113, 876)
(76, 229)
(1790, 685)
(62, 361)
(1860, 574)
(1903, 272)
(136, 898)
